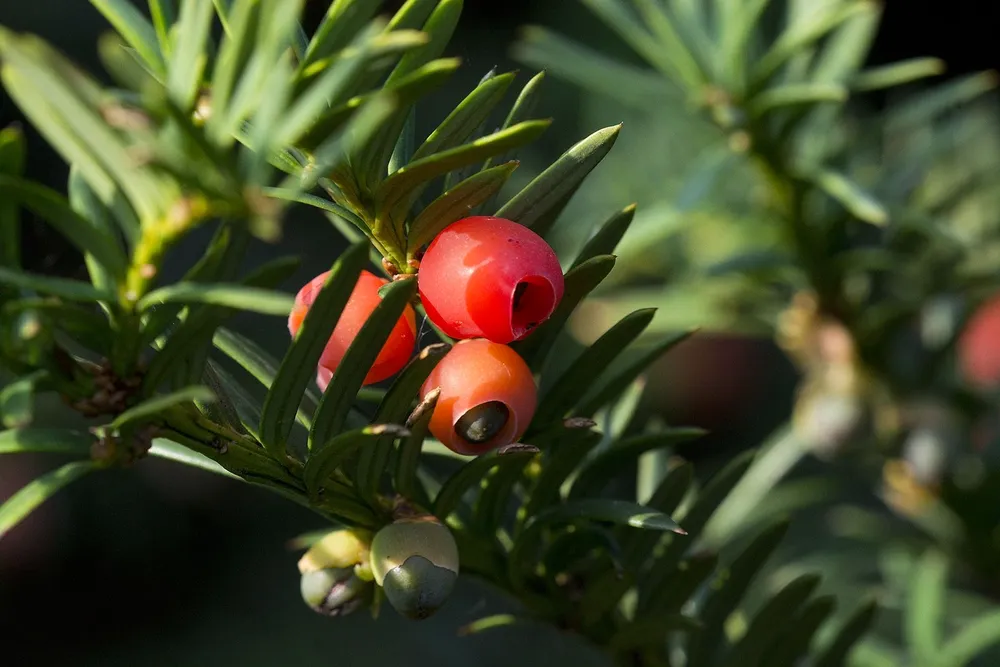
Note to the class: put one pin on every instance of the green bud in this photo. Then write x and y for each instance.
(344, 548)
(335, 591)
(415, 560)
(30, 338)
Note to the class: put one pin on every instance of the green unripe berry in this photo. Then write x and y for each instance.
(416, 562)
(418, 587)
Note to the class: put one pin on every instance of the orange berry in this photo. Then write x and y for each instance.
(488, 397)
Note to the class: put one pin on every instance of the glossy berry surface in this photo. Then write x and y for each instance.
(416, 563)
(490, 278)
(363, 300)
(487, 399)
(979, 346)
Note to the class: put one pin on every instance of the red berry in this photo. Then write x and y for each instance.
(363, 300)
(487, 399)
(979, 346)
(491, 278)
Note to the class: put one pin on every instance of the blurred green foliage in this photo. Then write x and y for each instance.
(768, 174)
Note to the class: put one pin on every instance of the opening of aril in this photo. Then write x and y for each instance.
(483, 422)
(532, 303)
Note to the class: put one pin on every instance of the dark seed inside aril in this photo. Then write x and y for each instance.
(519, 293)
(483, 422)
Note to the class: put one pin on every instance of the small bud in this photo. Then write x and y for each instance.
(740, 141)
(927, 451)
(902, 491)
(203, 109)
(579, 422)
(29, 326)
(415, 560)
(339, 549)
(827, 421)
(103, 450)
(390, 267)
(335, 591)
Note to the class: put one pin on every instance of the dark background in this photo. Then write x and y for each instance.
(162, 565)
